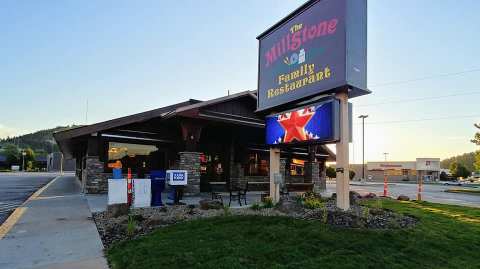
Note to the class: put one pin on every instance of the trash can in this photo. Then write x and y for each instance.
(158, 186)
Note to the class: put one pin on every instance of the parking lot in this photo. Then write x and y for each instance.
(15, 188)
(431, 192)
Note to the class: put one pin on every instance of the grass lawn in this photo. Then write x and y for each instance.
(447, 237)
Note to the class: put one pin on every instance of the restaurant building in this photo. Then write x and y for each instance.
(220, 140)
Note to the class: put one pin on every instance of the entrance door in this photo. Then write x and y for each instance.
(212, 170)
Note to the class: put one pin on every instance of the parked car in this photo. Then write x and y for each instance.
(453, 183)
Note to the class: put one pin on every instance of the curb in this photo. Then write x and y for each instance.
(19, 211)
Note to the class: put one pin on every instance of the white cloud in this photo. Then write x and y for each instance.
(7, 131)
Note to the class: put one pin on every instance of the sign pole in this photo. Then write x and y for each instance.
(343, 180)
(419, 194)
(385, 183)
(274, 169)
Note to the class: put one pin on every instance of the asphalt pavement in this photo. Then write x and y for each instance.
(431, 192)
(15, 188)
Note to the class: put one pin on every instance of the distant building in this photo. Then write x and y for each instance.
(54, 160)
(3, 162)
(41, 162)
(427, 169)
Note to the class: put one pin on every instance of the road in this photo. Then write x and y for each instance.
(431, 193)
(15, 188)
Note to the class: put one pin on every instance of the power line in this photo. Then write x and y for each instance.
(425, 78)
(425, 119)
(420, 99)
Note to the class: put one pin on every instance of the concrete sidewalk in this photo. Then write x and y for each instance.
(55, 231)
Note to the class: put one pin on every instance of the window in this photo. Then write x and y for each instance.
(135, 156)
(297, 167)
(257, 165)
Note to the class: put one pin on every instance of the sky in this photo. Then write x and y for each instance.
(125, 57)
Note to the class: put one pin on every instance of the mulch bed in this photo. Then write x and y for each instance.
(146, 220)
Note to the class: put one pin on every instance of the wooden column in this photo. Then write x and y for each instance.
(274, 169)
(343, 181)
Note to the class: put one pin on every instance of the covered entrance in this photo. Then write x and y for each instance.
(219, 142)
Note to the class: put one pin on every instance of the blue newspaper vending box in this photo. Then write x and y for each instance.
(158, 186)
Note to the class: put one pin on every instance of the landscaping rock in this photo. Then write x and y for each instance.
(115, 211)
(354, 197)
(210, 204)
(403, 198)
(114, 229)
(288, 206)
(370, 195)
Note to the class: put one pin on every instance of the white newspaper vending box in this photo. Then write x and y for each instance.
(117, 191)
(142, 192)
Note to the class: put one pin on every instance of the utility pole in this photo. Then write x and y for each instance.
(385, 178)
(86, 113)
(23, 160)
(363, 117)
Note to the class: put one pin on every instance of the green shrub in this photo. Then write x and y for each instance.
(325, 215)
(365, 212)
(313, 203)
(268, 203)
(299, 199)
(256, 207)
(226, 211)
(131, 226)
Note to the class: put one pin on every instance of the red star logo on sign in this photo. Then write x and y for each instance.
(294, 124)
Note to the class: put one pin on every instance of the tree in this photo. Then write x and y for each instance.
(477, 161)
(466, 159)
(443, 176)
(29, 158)
(331, 173)
(12, 154)
(351, 174)
(476, 140)
(459, 170)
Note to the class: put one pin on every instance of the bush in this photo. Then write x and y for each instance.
(331, 172)
(268, 203)
(226, 211)
(256, 207)
(313, 203)
(131, 226)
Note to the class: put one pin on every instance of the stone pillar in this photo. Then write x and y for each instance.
(190, 161)
(283, 167)
(94, 178)
(312, 172)
(320, 185)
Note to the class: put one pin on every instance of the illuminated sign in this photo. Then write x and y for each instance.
(314, 123)
(319, 48)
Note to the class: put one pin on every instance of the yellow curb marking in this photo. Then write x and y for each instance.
(11, 221)
(19, 211)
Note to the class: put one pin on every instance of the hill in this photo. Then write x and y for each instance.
(40, 141)
(467, 159)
